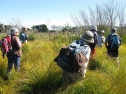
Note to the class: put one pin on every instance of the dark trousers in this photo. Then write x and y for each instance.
(111, 52)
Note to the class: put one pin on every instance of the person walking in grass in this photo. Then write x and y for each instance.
(101, 38)
(68, 77)
(23, 35)
(112, 43)
(93, 45)
(14, 56)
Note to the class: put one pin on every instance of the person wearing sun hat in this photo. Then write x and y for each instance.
(88, 37)
(101, 38)
(85, 40)
(108, 43)
(14, 56)
(14, 31)
(23, 35)
(93, 45)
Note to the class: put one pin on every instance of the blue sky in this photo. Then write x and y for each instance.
(49, 12)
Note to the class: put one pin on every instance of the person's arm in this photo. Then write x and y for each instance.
(106, 41)
(18, 43)
(103, 39)
(120, 40)
(26, 36)
(106, 44)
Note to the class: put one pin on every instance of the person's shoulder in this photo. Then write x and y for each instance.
(16, 37)
(87, 47)
(21, 32)
(118, 36)
(95, 33)
(25, 32)
(109, 35)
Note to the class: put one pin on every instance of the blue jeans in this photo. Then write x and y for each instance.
(13, 59)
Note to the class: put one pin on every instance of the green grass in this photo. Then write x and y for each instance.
(39, 74)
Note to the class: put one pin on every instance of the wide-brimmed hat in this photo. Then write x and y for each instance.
(14, 30)
(102, 31)
(88, 37)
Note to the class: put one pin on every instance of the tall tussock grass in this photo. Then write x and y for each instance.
(39, 74)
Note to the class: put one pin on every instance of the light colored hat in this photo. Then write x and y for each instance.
(24, 28)
(14, 30)
(102, 31)
(94, 28)
(88, 37)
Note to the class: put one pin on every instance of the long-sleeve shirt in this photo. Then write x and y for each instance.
(16, 45)
(101, 40)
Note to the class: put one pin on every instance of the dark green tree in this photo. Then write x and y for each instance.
(43, 28)
(40, 28)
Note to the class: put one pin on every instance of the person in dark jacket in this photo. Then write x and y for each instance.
(23, 35)
(112, 52)
(93, 45)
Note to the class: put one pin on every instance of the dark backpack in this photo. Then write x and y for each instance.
(70, 60)
(23, 37)
(6, 45)
(115, 42)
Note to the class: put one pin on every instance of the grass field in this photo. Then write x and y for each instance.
(39, 74)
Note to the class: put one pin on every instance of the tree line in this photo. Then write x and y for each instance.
(105, 16)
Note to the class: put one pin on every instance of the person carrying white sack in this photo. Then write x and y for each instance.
(68, 77)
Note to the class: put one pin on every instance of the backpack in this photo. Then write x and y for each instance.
(115, 43)
(23, 37)
(71, 59)
(6, 45)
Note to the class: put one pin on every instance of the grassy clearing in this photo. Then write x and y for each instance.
(40, 75)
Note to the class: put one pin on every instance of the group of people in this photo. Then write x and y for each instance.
(100, 40)
(14, 57)
(92, 38)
